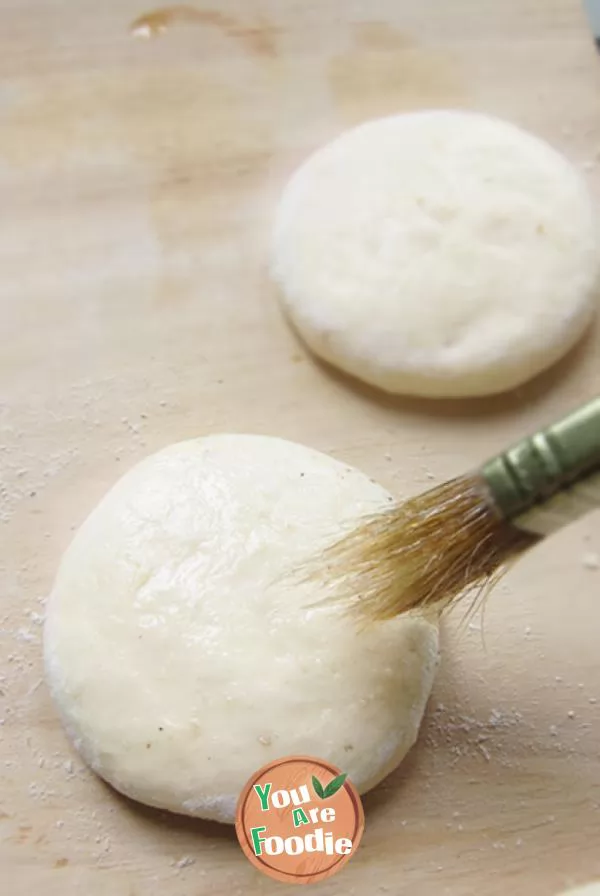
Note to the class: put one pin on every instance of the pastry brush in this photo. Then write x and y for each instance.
(458, 537)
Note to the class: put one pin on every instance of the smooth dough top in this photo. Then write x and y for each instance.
(438, 253)
(182, 654)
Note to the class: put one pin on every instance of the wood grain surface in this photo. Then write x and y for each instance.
(138, 179)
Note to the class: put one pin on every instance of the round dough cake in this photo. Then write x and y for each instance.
(439, 253)
(587, 890)
(182, 654)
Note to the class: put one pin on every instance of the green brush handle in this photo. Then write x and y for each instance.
(561, 458)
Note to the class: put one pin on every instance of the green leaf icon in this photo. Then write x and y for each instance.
(334, 786)
(318, 787)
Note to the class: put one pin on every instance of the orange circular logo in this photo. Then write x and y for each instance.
(299, 820)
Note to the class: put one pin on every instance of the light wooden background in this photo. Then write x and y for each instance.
(137, 187)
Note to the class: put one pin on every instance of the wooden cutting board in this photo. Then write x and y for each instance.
(138, 178)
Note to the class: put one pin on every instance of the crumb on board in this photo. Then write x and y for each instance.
(183, 862)
(591, 561)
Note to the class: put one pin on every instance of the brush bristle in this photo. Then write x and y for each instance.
(424, 553)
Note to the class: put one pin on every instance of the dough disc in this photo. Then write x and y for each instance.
(438, 253)
(183, 658)
(587, 890)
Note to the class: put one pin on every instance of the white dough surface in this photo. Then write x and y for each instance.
(587, 890)
(438, 253)
(183, 656)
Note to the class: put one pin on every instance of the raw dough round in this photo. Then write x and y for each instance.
(183, 657)
(587, 890)
(438, 253)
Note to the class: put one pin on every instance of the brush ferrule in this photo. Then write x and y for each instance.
(536, 469)
(565, 507)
